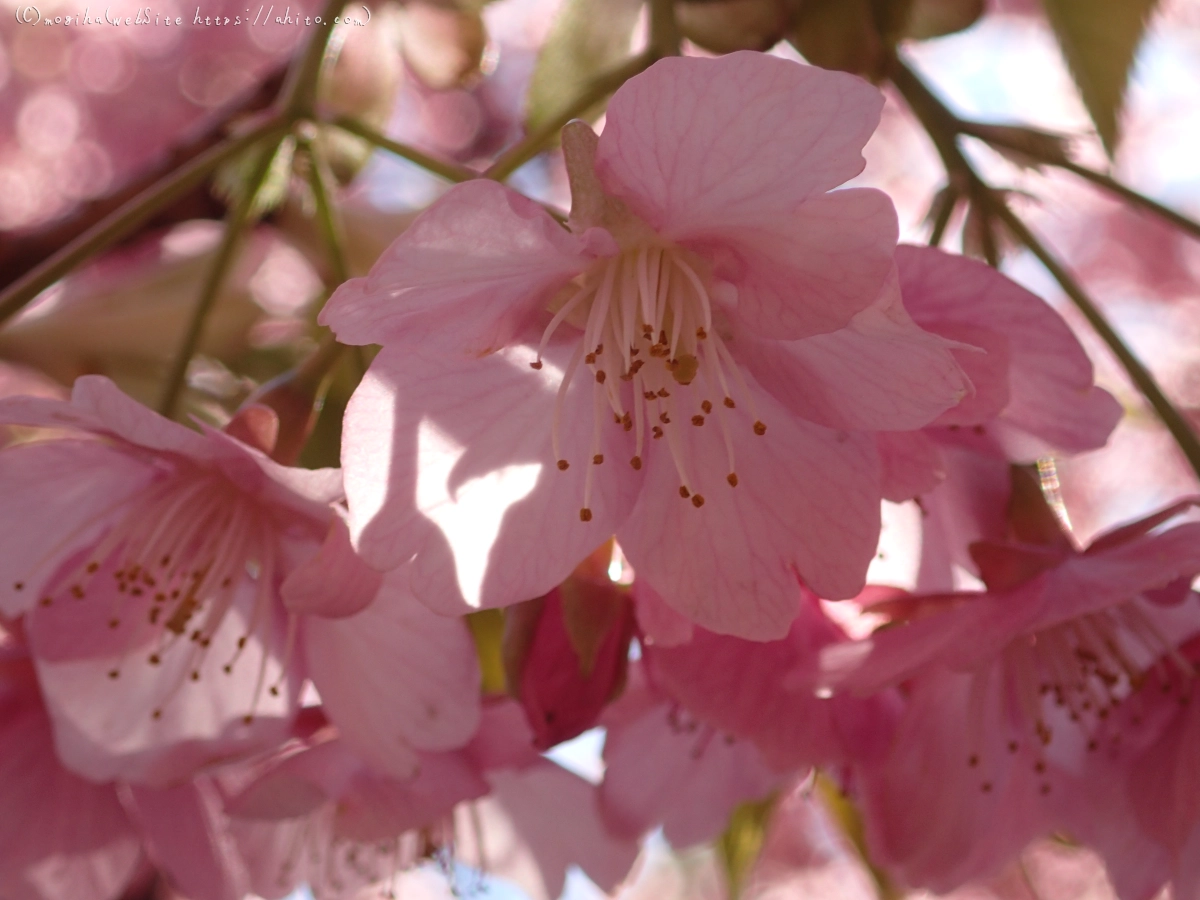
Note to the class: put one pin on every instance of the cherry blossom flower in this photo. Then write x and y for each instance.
(692, 366)
(178, 586)
(1016, 689)
(66, 838)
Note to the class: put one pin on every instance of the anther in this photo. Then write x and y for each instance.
(590, 359)
(46, 601)
(664, 418)
(247, 719)
(657, 432)
(563, 465)
(113, 673)
(195, 675)
(684, 492)
(585, 515)
(697, 420)
(154, 659)
(536, 364)
(973, 760)
(697, 500)
(649, 395)
(600, 376)
(76, 592)
(597, 459)
(156, 715)
(732, 479)
(760, 428)
(729, 404)
(663, 392)
(706, 406)
(636, 462)
(701, 334)
(627, 422)
(18, 586)
(114, 623)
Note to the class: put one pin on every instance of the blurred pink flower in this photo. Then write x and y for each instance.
(710, 277)
(667, 767)
(177, 586)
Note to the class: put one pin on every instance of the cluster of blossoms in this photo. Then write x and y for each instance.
(249, 676)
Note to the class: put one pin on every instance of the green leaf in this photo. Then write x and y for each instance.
(588, 38)
(740, 844)
(1099, 39)
(230, 183)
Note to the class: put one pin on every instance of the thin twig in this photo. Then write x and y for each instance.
(1105, 182)
(328, 221)
(126, 219)
(537, 140)
(1145, 382)
(449, 170)
(235, 224)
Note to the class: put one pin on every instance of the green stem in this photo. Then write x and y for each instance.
(1105, 182)
(319, 180)
(947, 201)
(448, 170)
(537, 140)
(665, 37)
(943, 129)
(235, 224)
(127, 218)
(298, 99)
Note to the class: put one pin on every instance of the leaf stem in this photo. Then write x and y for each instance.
(449, 170)
(537, 139)
(235, 224)
(943, 129)
(298, 98)
(126, 219)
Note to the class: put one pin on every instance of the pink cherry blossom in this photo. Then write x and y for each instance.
(737, 319)
(1016, 689)
(66, 838)
(177, 586)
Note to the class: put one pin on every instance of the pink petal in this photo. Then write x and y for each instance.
(1054, 405)
(807, 503)
(129, 420)
(395, 676)
(664, 769)
(765, 692)
(185, 837)
(698, 143)
(55, 496)
(105, 727)
(912, 464)
(661, 625)
(557, 815)
(482, 253)
(450, 458)
(880, 373)
(334, 582)
(61, 838)
(807, 272)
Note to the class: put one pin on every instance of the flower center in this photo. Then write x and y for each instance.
(1085, 667)
(648, 321)
(178, 554)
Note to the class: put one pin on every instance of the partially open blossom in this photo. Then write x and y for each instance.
(177, 587)
(542, 389)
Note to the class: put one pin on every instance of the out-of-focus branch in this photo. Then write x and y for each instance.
(130, 216)
(320, 180)
(943, 129)
(997, 138)
(236, 222)
(451, 171)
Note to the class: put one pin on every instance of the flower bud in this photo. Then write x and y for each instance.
(566, 655)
